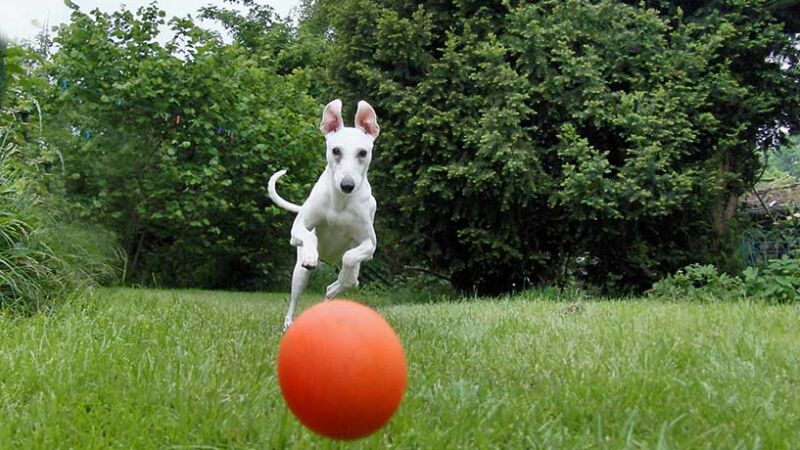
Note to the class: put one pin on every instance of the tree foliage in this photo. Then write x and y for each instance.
(523, 141)
(171, 145)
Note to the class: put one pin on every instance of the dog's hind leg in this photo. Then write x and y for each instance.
(351, 264)
(300, 278)
(342, 283)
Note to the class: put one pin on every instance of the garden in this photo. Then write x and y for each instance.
(588, 220)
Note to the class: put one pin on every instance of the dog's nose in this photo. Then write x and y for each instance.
(347, 185)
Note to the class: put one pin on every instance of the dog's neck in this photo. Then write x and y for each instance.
(338, 199)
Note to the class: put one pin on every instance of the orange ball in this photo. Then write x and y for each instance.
(341, 369)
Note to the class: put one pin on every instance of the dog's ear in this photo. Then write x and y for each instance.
(332, 117)
(366, 120)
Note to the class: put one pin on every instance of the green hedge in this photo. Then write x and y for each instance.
(527, 142)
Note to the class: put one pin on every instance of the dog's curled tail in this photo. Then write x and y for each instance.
(273, 194)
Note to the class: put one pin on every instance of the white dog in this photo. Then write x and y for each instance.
(335, 223)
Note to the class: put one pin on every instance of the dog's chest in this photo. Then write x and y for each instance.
(340, 225)
(337, 233)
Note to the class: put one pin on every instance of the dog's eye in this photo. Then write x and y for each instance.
(337, 151)
(362, 154)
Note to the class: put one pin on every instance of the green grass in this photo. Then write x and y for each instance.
(194, 369)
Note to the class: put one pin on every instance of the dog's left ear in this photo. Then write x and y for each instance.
(367, 120)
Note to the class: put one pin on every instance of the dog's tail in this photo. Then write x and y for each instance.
(273, 194)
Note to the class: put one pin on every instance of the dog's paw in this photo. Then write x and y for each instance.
(310, 260)
(286, 324)
(333, 289)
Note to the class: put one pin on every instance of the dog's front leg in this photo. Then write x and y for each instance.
(351, 263)
(305, 238)
(300, 278)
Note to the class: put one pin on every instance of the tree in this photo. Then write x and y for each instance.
(524, 141)
(172, 145)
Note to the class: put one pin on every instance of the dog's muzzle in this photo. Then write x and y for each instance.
(347, 185)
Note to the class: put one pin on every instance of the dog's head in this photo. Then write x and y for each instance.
(349, 150)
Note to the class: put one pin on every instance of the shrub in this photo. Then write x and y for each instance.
(697, 280)
(519, 137)
(777, 281)
(42, 256)
(45, 253)
(171, 146)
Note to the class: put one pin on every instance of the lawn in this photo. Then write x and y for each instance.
(196, 369)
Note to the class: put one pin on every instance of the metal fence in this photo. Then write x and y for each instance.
(759, 245)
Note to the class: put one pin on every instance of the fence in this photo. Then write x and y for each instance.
(760, 245)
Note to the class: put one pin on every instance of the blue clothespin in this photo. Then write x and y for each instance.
(219, 130)
(64, 84)
(119, 102)
(87, 134)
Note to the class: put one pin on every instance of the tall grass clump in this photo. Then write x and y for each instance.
(44, 256)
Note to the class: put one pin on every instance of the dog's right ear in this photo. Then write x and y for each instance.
(332, 117)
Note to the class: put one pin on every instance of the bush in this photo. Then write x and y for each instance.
(698, 280)
(171, 146)
(45, 252)
(521, 137)
(42, 257)
(777, 281)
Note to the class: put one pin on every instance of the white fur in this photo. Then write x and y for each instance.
(334, 225)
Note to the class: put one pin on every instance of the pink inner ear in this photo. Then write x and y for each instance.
(365, 120)
(330, 122)
(369, 127)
